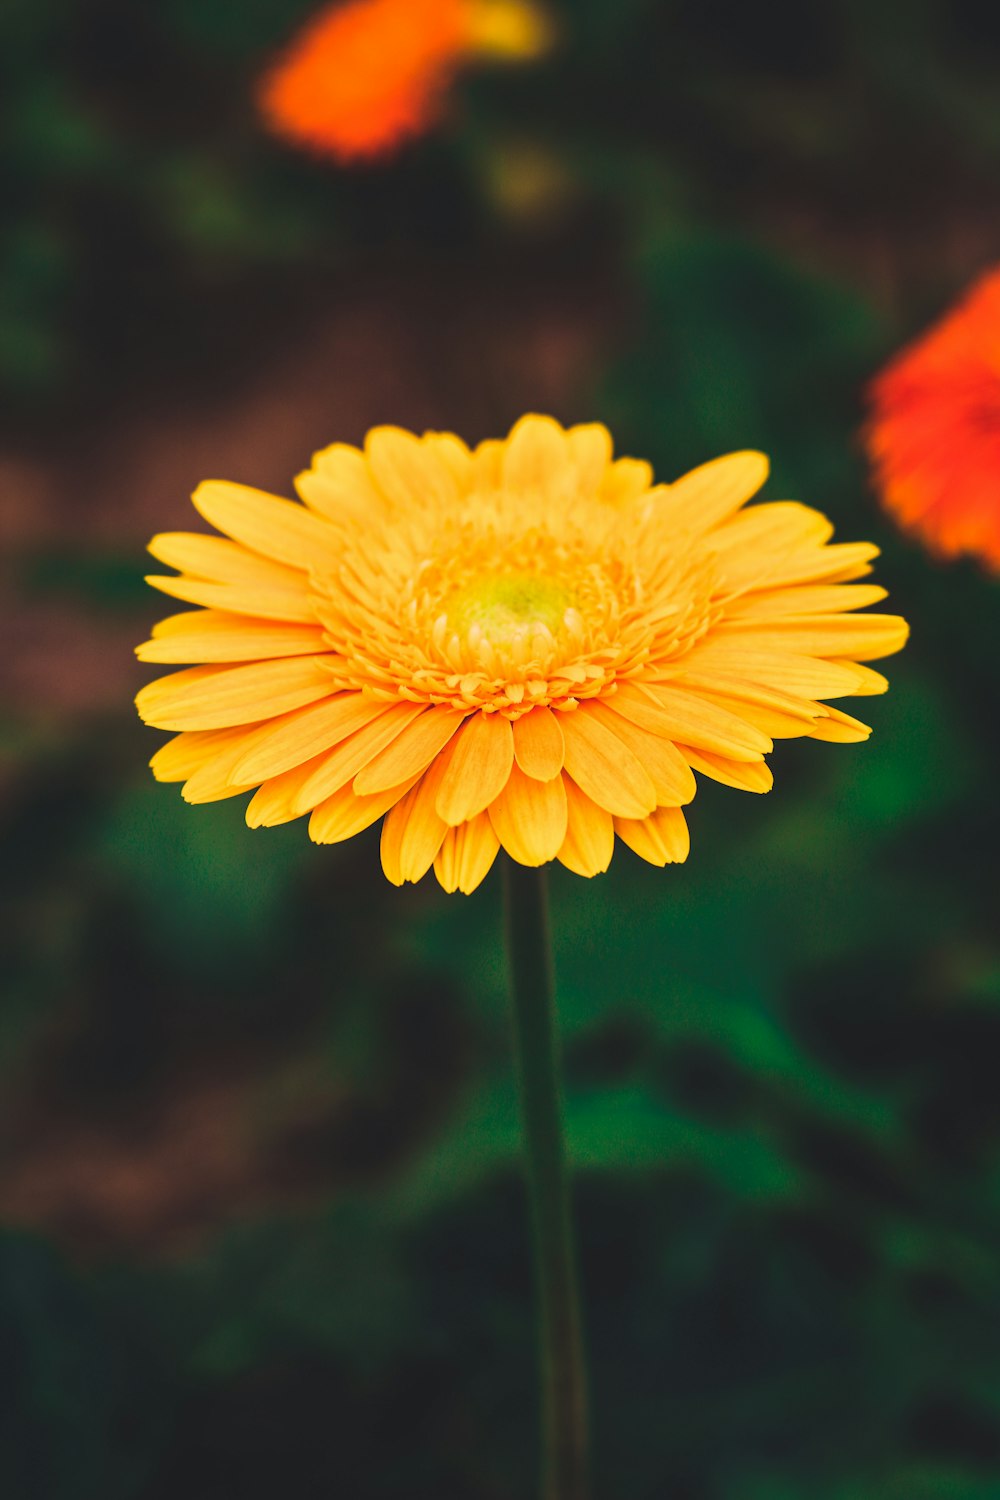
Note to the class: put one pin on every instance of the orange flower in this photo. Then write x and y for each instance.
(365, 75)
(934, 434)
(529, 644)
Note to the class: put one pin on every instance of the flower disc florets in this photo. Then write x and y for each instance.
(528, 645)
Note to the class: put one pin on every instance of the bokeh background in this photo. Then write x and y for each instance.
(263, 1229)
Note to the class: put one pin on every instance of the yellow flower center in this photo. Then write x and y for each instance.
(514, 607)
(493, 606)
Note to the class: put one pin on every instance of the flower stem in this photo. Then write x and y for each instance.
(529, 956)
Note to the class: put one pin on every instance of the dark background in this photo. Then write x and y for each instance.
(263, 1229)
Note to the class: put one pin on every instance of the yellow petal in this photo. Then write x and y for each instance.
(702, 498)
(219, 697)
(343, 763)
(536, 456)
(774, 722)
(275, 528)
(866, 680)
(455, 456)
(722, 685)
(478, 768)
(590, 834)
(410, 753)
(345, 813)
(487, 464)
(408, 471)
(538, 744)
(679, 715)
(625, 481)
(604, 768)
(206, 635)
(413, 831)
(834, 564)
(213, 780)
(274, 802)
(590, 454)
(814, 599)
(220, 560)
(186, 753)
(856, 637)
(275, 748)
(467, 854)
(292, 603)
(529, 818)
(340, 486)
(801, 676)
(660, 839)
(666, 767)
(745, 776)
(840, 728)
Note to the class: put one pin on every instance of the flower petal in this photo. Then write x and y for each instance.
(745, 776)
(187, 752)
(814, 599)
(709, 494)
(801, 676)
(538, 744)
(467, 854)
(667, 769)
(218, 559)
(340, 485)
(274, 748)
(679, 715)
(590, 450)
(218, 697)
(207, 635)
(590, 834)
(213, 780)
(410, 753)
(275, 528)
(274, 802)
(478, 769)
(536, 456)
(292, 603)
(660, 839)
(604, 767)
(408, 471)
(344, 813)
(840, 728)
(413, 831)
(858, 637)
(343, 763)
(530, 817)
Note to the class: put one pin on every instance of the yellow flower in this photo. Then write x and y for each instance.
(528, 645)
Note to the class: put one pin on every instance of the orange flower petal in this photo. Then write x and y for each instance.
(478, 769)
(538, 744)
(590, 834)
(529, 817)
(603, 766)
(660, 839)
(467, 854)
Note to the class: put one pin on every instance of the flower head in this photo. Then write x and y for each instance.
(366, 74)
(528, 645)
(934, 433)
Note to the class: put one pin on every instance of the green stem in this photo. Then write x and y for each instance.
(564, 1402)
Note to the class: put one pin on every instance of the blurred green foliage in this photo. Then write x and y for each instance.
(781, 1058)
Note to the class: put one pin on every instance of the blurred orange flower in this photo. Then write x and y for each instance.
(934, 432)
(366, 75)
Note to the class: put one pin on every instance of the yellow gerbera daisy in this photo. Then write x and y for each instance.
(528, 645)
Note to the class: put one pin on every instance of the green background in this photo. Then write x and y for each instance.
(263, 1227)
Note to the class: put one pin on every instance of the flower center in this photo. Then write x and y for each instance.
(509, 608)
